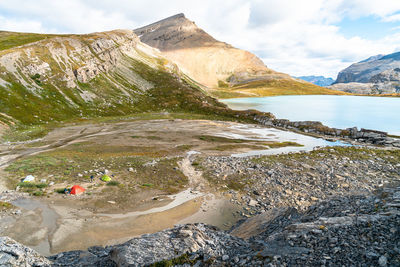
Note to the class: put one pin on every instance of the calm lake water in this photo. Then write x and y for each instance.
(378, 113)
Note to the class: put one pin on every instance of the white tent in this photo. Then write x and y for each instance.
(29, 178)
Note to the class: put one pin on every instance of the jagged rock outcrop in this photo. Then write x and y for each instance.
(200, 241)
(212, 63)
(376, 75)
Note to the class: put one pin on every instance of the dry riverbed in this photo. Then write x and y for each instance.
(163, 172)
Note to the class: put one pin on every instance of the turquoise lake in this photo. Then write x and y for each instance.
(378, 113)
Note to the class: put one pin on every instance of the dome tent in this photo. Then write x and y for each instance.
(106, 178)
(76, 190)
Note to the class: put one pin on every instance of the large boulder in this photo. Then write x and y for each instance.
(13, 253)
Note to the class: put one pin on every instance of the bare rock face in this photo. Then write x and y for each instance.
(376, 75)
(174, 33)
(202, 57)
(13, 253)
(192, 239)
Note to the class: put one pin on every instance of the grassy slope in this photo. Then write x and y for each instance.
(13, 39)
(36, 111)
(273, 88)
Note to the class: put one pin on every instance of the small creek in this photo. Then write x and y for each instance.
(177, 199)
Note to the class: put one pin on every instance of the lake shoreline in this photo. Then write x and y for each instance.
(340, 112)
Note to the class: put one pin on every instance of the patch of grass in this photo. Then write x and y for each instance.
(222, 84)
(113, 183)
(5, 205)
(38, 193)
(147, 185)
(41, 185)
(60, 190)
(282, 144)
(153, 137)
(184, 147)
(234, 147)
(32, 185)
(219, 139)
(27, 185)
(21, 132)
(181, 260)
(226, 94)
(283, 87)
(235, 185)
(13, 39)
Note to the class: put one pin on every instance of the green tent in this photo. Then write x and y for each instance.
(106, 178)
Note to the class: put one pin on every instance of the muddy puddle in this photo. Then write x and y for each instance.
(52, 229)
(47, 225)
(177, 200)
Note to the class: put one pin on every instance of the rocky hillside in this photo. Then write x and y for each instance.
(45, 78)
(376, 75)
(223, 69)
(347, 231)
(317, 80)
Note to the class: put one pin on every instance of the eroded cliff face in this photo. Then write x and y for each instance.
(108, 73)
(72, 59)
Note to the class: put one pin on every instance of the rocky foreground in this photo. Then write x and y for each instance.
(346, 231)
(328, 207)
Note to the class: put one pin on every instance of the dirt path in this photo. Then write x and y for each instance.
(196, 180)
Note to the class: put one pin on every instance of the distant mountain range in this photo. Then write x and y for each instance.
(378, 74)
(317, 80)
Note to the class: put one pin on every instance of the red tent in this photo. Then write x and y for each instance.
(76, 190)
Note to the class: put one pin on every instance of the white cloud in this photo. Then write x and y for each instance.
(296, 37)
(392, 18)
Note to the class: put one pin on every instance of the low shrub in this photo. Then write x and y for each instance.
(113, 183)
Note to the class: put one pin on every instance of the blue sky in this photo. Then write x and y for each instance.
(368, 27)
(308, 37)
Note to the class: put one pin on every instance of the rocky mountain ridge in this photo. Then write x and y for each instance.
(376, 75)
(220, 67)
(100, 74)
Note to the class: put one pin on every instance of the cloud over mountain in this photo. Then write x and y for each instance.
(296, 37)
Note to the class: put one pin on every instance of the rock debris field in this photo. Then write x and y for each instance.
(328, 207)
